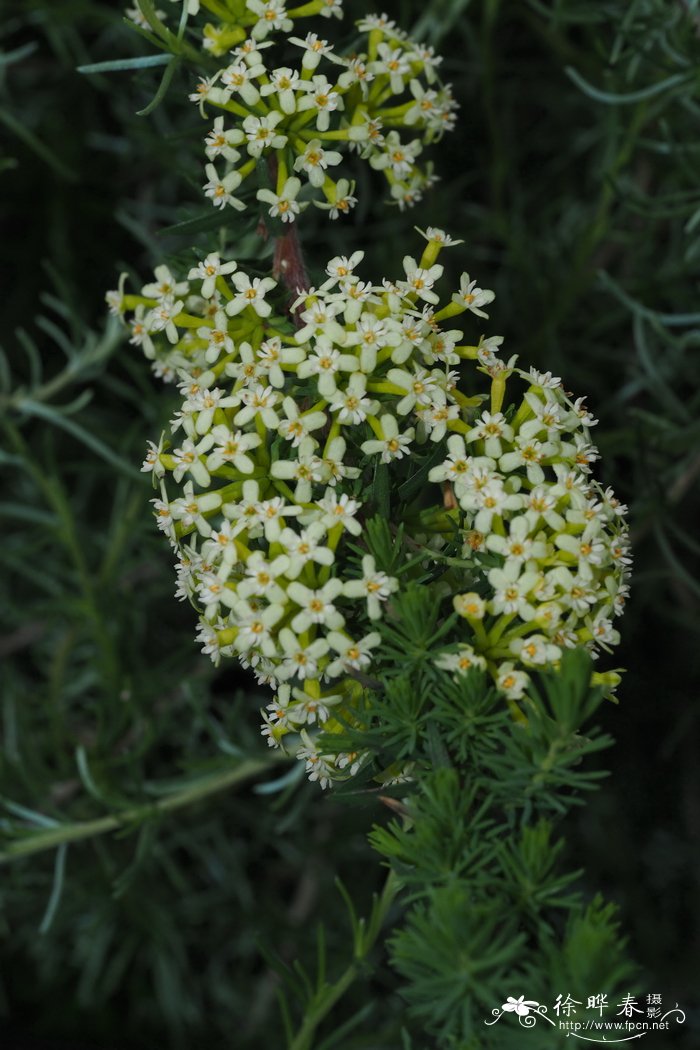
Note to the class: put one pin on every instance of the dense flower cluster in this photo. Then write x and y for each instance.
(301, 110)
(277, 433)
(551, 545)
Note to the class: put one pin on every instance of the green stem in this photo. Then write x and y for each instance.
(64, 833)
(327, 996)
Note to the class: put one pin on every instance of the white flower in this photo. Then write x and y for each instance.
(341, 200)
(351, 405)
(285, 203)
(255, 626)
(325, 362)
(421, 388)
(457, 466)
(261, 135)
(438, 236)
(315, 160)
(392, 445)
(395, 63)
(220, 143)
(165, 287)
(260, 578)
(316, 605)
(299, 425)
(190, 510)
(220, 191)
(511, 590)
(340, 510)
(470, 605)
(272, 15)
(272, 514)
(237, 79)
(321, 97)
(352, 656)
(511, 682)
(250, 293)
(204, 90)
(535, 650)
(374, 586)
(218, 339)
(314, 49)
(420, 281)
(300, 660)
(471, 297)
(231, 448)
(306, 470)
(341, 269)
(465, 659)
(284, 82)
(162, 318)
(318, 766)
(208, 270)
(304, 547)
(490, 428)
(272, 355)
(332, 8)
(221, 545)
(187, 460)
(517, 547)
(152, 463)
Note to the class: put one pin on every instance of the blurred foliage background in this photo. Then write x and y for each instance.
(574, 179)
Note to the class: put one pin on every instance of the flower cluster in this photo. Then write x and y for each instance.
(276, 438)
(300, 112)
(550, 545)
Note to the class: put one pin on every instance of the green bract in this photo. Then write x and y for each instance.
(283, 433)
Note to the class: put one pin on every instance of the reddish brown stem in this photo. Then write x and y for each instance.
(288, 262)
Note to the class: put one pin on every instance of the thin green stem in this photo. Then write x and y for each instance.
(327, 996)
(203, 788)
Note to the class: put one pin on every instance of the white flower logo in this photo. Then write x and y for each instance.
(521, 1006)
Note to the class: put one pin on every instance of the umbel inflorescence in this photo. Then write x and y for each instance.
(281, 428)
(288, 107)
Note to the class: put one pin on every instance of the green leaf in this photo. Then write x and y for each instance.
(631, 97)
(57, 888)
(54, 416)
(117, 65)
(160, 94)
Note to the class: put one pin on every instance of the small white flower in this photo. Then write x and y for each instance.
(315, 160)
(220, 143)
(471, 297)
(250, 293)
(314, 49)
(374, 586)
(316, 606)
(511, 682)
(284, 82)
(461, 662)
(351, 404)
(231, 448)
(535, 650)
(208, 270)
(340, 510)
(393, 445)
(304, 547)
(220, 191)
(300, 660)
(261, 135)
(352, 656)
(283, 205)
